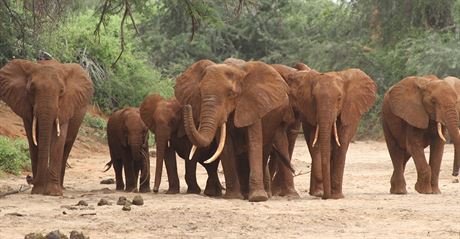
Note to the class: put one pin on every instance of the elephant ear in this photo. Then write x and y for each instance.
(14, 78)
(360, 95)
(147, 110)
(455, 83)
(262, 90)
(301, 85)
(78, 90)
(406, 101)
(302, 67)
(187, 88)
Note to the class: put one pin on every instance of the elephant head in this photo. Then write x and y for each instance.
(163, 118)
(135, 134)
(248, 90)
(417, 100)
(46, 95)
(325, 98)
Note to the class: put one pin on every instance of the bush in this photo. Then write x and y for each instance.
(14, 155)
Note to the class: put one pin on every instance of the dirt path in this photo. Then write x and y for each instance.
(368, 211)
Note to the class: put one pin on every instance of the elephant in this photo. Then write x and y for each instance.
(164, 119)
(416, 112)
(247, 99)
(51, 98)
(329, 102)
(128, 137)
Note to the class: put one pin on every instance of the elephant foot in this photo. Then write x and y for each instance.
(290, 193)
(213, 190)
(194, 190)
(337, 196)
(173, 191)
(155, 190)
(145, 190)
(435, 189)
(53, 189)
(120, 187)
(233, 195)
(131, 190)
(38, 189)
(258, 196)
(398, 190)
(423, 184)
(316, 193)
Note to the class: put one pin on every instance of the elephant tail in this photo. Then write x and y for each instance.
(108, 165)
(284, 158)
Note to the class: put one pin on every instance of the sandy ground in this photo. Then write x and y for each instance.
(368, 211)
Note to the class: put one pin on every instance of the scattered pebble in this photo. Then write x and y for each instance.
(455, 180)
(108, 181)
(138, 200)
(122, 200)
(127, 206)
(56, 235)
(77, 235)
(82, 203)
(34, 236)
(103, 202)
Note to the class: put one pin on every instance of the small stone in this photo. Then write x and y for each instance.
(127, 206)
(103, 202)
(82, 203)
(56, 235)
(138, 200)
(77, 235)
(122, 200)
(34, 236)
(108, 181)
(455, 180)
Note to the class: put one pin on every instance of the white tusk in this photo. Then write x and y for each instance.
(223, 135)
(192, 152)
(168, 144)
(316, 135)
(58, 127)
(34, 130)
(335, 133)
(440, 132)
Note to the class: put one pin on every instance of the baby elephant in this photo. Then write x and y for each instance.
(128, 143)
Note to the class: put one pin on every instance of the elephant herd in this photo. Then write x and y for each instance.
(244, 114)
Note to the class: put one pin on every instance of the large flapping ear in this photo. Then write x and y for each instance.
(262, 90)
(14, 78)
(187, 88)
(147, 110)
(360, 95)
(77, 92)
(455, 83)
(406, 101)
(301, 85)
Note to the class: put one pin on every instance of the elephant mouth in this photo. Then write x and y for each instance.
(336, 135)
(34, 129)
(220, 147)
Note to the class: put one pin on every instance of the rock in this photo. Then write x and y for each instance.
(82, 203)
(34, 236)
(138, 200)
(108, 181)
(77, 235)
(455, 180)
(122, 200)
(56, 235)
(103, 202)
(127, 206)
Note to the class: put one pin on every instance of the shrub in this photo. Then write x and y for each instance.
(14, 155)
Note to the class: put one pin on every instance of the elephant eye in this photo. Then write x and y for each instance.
(433, 101)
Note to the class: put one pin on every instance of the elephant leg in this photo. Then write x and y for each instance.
(242, 166)
(128, 166)
(436, 151)
(32, 148)
(53, 185)
(144, 182)
(213, 186)
(72, 132)
(118, 168)
(229, 165)
(171, 171)
(284, 178)
(267, 184)
(316, 178)
(415, 146)
(399, 158)
(256, 185)
(274, 171)
(190, 177)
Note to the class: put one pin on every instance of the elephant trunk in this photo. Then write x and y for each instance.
(326, 119)
(45, 121)
(208, 123)
(452, 121)
(161, 147)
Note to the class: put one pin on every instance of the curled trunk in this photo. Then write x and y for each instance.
(208, 124)
(452, 121)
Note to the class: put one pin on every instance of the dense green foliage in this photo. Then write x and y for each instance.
(14, 155)
(387, 39)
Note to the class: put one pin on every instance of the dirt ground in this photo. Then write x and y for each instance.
(368, 210)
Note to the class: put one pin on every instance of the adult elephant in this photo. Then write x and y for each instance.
(415, 113)
(51, 98)
(128, 138)
(330, 106)
(164, 119)
(251, 97)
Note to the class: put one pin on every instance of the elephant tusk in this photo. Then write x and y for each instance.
(34, 130)
(223, 135)
(168, 144)
(335, 133)
(316, 135)
(58, 127)
(192, 152)
(440, 132)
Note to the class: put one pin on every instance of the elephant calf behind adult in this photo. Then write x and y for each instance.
(128, 143)
(51, 98)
